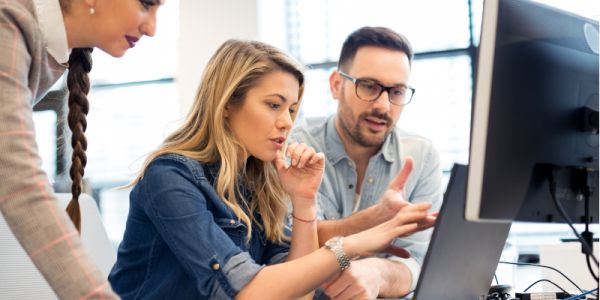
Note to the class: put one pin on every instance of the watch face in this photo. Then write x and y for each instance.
(332, 242)
(329, 243)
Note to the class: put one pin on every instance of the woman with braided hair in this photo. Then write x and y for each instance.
(39, 41)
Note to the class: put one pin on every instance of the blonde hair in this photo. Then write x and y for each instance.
(234, 69)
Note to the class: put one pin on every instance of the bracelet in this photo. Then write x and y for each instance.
(304, 221)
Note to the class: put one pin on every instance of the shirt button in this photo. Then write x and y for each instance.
(216, 267)
(351, 186)
(370, 180)
(232, 221)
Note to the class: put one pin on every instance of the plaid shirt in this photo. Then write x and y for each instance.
(27, 203)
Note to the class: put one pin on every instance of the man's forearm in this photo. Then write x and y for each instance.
(396, 277)
(357, 222)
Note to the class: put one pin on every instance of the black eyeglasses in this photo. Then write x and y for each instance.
(370, 90)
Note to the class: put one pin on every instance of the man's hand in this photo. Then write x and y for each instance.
(394, 198)
(360, 281)
(392, 202)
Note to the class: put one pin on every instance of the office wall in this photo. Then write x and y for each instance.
(204, 26)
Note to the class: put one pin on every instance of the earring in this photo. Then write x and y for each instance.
(92, 10)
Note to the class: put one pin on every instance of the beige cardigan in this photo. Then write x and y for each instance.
(27, 71)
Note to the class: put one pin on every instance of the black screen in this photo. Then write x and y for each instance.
(535, 115)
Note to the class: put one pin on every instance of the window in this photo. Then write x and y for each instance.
(132, 102)
(124, 124)
(318, 28)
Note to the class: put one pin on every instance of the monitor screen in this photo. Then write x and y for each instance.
(535, 116)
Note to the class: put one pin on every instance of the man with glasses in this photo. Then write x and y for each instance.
(373, 167)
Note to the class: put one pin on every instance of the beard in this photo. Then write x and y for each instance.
(365, 137)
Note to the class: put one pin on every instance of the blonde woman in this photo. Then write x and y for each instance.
(207, 211)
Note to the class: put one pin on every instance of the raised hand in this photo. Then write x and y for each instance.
(303, 176)
(394, 198)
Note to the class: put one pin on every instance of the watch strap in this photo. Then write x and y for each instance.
(336, 245)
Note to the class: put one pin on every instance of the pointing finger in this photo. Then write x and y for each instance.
(398, 183)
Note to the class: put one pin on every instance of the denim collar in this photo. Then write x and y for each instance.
(335, 150)
(211, 170)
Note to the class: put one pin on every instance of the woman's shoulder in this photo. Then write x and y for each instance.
(19, 11)
(172, 164)
(21, 25)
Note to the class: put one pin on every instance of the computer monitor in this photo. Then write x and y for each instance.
(535, 115)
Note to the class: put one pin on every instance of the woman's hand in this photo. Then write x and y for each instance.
(302, 178)
(379, 238)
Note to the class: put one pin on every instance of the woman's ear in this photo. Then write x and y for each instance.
(226, 111)
(90, 3)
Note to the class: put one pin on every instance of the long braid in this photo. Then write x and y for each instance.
(80, 64)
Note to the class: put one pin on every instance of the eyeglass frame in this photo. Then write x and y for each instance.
(383, 89)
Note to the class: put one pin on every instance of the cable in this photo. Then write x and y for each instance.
(589, 236)
(546, 280)
(562, 212)
(587, 212)
(543, 266)
(583, 294)
(496, 277)
(589, 264)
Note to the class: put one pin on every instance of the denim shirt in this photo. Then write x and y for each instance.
(182, 242)
(337, 192)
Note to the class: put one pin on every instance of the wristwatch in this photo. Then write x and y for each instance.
(336, 245)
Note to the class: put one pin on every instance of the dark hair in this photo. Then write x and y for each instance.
(373, 36)
(78, 83)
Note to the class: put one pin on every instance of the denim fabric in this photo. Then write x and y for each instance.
(182, 242)
(338, 189)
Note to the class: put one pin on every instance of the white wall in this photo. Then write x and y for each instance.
(204, 26)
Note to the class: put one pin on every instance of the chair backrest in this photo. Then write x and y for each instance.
(20, 279)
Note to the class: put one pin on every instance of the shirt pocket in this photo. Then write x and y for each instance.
(327, 209)
(235, 229)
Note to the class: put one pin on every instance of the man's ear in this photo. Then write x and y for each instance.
(335, 84)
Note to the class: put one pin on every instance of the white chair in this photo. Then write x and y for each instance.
(20, 279)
